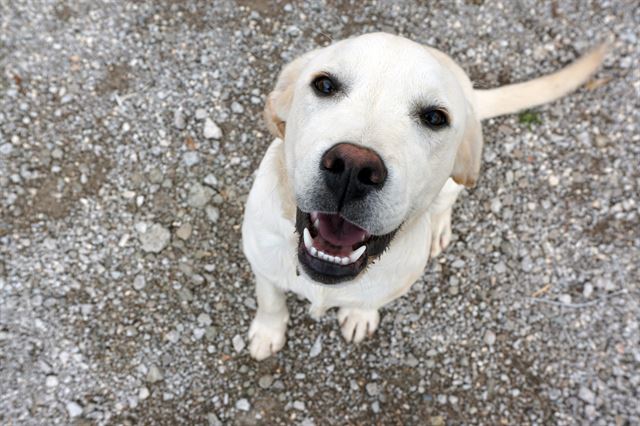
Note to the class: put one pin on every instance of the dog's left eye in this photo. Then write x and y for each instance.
(434, 118)
(324, 85)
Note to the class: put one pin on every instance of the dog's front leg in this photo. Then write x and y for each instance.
(441, 210)
(268, 328)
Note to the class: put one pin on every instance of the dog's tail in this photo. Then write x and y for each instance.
(516, 97)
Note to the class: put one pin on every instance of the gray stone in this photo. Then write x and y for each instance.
(139, 282)
(74, 409)
(316, 348)
(489, 337)
(201, 114)
(213, 214)
(155, 239)
(243, 405)
(52, 381)
(199, 195)
(265, 381)
(213, 420)
(237, 108)
(191, 158)
(6, 149)
(143, 393)
(565, 298)
(372, 389)
(238, 343)
(204, 320)
(211, 180)
(211, 130)
(178, 119)
(184, 231)
(154, 374)
(586, 395)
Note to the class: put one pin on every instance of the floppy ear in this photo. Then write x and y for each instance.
(466, 168)
(278, 103)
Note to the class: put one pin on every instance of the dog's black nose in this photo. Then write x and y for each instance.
(351, 171)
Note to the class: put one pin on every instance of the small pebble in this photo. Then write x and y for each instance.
(6, 148)
(143, 393)
(178, 119)
(496, 205)
(238, 343)
(155, 239)
(184, 231)
(204, 319)
(265, 381)
(565, 298)
(201, 114)
(52, 381)
(489, 337)
(372, 389)
(213, 420)
(211, 130)
(198, 195)
(191, 158)
(243, 405)
(316, 348)
(211, 180)
(139, 282)
(237, 108)
(213, 214)
(74, 409)
(586, 395)
(154, 375)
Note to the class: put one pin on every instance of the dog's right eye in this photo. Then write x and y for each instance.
(324, 86)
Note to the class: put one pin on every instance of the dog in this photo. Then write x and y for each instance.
(375, 137)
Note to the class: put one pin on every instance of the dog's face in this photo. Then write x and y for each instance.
(372, 128)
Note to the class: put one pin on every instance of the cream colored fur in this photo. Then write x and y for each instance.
(427, 169)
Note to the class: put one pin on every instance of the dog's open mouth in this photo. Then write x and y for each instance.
(332, 250)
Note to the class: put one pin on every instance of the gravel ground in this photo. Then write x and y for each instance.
(129, 133)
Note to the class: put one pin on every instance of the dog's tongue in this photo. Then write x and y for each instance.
(337, 231)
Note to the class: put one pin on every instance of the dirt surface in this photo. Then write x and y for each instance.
(125, 298)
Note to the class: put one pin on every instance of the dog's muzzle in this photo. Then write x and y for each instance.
(332, 250)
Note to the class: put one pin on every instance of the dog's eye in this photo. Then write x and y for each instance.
(434, 118)
(324, 86)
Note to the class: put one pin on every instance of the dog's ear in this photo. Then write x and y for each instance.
(466, 168)
(278, 102)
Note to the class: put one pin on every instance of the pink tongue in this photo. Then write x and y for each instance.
(337, 231)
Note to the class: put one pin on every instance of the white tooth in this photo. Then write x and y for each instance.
(316, 224)
(308, 241)
(357, 253)
(330, 258)
(345, 261)
(314, 216)
(313, 252)
(321, 254)
(364, 237)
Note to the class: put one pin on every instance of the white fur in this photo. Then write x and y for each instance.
(384, 75)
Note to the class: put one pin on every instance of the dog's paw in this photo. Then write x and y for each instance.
(267, 335)
(356, 324)
(440, 232)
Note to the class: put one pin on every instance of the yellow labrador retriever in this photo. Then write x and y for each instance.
(375, 137)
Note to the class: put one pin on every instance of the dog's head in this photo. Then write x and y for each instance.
(373, 127)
